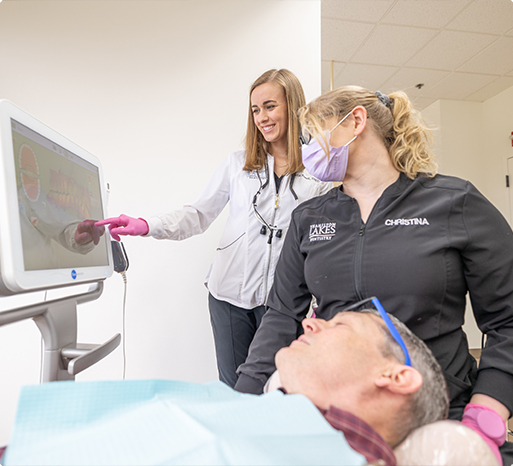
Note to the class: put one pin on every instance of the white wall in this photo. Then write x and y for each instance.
(158, 90)
(471, 142)
(461, 130)
(498, 125)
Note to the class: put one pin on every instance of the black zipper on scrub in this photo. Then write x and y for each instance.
(358, 262)
(359, 250)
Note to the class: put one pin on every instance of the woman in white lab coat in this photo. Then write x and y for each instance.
(263, 183)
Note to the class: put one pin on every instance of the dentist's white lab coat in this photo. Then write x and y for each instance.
(243, 268)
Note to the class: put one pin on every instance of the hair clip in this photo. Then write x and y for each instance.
(384, 99)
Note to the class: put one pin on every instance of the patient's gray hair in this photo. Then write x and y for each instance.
(431, 402)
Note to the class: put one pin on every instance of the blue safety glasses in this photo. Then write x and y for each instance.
(360, 305)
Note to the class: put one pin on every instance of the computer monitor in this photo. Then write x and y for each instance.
(51, 193)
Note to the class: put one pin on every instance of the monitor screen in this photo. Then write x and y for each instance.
(53, 193)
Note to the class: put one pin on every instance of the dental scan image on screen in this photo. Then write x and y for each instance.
(59, 200)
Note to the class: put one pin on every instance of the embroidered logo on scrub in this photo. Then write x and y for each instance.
(254, 175)
(406, 221)
(322, 231)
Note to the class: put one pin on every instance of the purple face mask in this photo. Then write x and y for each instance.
(332, 168)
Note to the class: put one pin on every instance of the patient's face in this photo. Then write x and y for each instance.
(340, 354)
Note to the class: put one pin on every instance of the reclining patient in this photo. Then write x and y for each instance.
(354, 371)
(350, 371)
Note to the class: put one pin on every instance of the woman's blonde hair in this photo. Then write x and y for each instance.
(256, 145)
(393, 118)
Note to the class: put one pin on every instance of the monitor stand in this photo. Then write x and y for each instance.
(56, 319)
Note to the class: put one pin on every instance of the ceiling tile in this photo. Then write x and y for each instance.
(420, 103)
(393, 45)
(494, 88)
(450, 49)
(355, 10)
(460, 49)
(458, 86)
(489, 16)
(371, 77)
(407, 78)
(495, 59)
(341, 39)
(425, 14)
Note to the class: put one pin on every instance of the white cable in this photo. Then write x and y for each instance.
(123, 274)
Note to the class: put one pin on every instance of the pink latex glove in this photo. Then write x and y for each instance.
(488, 424)
(125, 225)
(88, 231)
